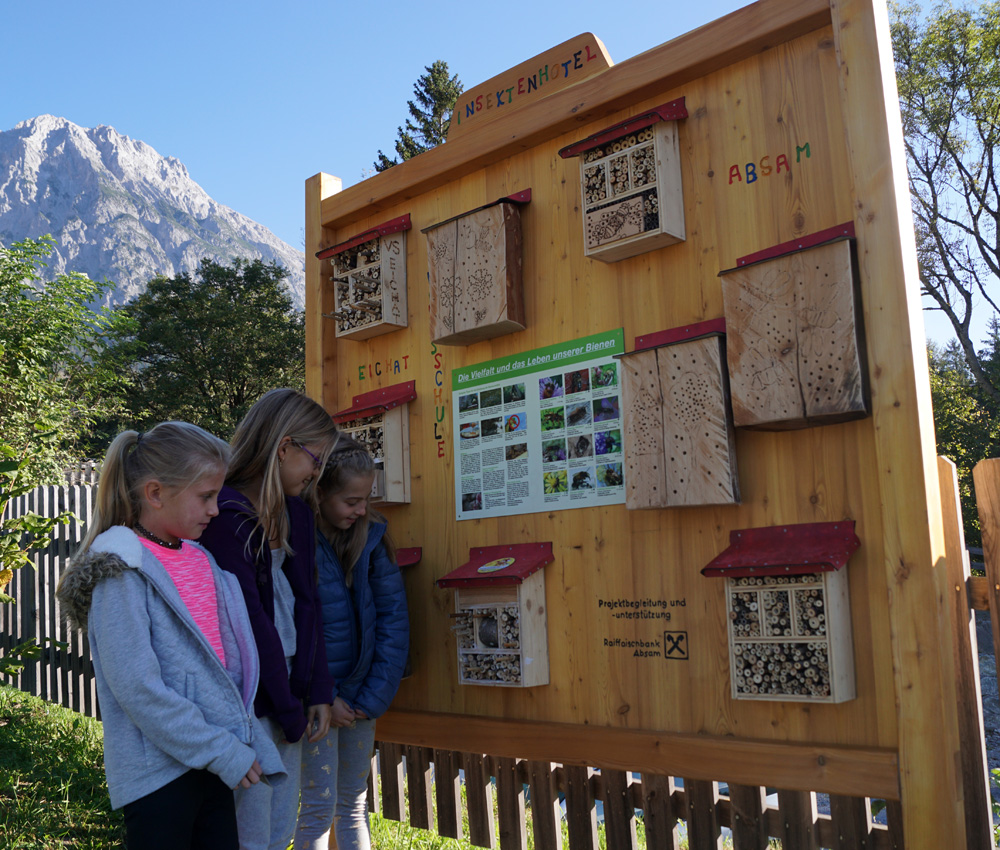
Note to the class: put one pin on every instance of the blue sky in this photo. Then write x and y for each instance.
(254, 97)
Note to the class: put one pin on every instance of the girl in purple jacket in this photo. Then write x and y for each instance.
(265, 535)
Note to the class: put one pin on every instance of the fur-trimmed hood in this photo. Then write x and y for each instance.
(112, 552)
(76, 587)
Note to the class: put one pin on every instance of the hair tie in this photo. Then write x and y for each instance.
(139, 438)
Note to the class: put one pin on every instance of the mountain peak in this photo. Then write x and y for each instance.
(119, 210)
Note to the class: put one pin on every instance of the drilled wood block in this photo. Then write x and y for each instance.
(679, 445)
(474, 275)
(795, 345)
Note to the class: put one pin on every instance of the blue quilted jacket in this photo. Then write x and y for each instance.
(366, 626)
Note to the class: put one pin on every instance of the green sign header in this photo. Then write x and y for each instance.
(556, 356)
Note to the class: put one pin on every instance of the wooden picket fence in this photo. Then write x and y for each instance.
(433, 776)
(63, 674)
(424, 786)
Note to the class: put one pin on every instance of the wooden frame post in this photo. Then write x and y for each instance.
(904, 429)
(321, 357)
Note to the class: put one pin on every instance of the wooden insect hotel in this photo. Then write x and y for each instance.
(369, 280)
(679, 443)
(717, 321)
(630, 182)
(500, 622)
(475, 273)
(789, 612)
(796, 343)
(380, 421)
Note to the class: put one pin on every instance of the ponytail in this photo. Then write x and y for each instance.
(177, 454)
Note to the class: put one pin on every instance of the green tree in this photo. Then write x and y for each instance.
(965, 423)
(51, 383)
(205, 348)
(948, 74)
(427, 126)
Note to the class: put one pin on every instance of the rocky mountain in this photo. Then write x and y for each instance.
(119, 210)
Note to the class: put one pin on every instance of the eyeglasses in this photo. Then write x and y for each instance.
(317, 463)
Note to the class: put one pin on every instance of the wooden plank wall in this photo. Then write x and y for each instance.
(608, 553)
(792, 129)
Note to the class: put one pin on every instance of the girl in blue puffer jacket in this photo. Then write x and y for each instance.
(367, 631)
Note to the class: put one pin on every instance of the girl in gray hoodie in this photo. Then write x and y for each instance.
(171, 643)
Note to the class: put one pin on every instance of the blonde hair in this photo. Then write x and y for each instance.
(277, 414)
(350, 460)
(177, 454)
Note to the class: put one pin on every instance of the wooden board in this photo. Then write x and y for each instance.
(795, 348)
(679, 441)
(698, 437)
(554, 70)
(442, 246)
(475, 276)
(642, 402)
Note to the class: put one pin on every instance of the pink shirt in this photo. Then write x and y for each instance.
(192, 574)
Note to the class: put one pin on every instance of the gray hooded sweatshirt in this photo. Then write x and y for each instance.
(168, 704)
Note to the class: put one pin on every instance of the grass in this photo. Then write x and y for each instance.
(52, 788)
(53, 794)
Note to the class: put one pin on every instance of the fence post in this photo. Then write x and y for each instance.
(971, 734)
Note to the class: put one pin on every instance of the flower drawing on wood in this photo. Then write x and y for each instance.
(449, 291)
(480, 283)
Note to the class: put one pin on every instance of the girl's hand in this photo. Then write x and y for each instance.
(253, 775)
(359, 714)
(318, 720)
(343, 714)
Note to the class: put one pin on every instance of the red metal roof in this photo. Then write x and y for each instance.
(696, 330)
(493, 565)
(408, 556)
(812, 240)
(672, 111)
(384, 229)
(377, 401)
(786, 550)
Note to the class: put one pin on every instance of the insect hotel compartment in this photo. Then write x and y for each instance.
(475, 273)
(380, 420)
(788, 612)
(499, 620)
(369, 280)
(630, 179)
(679, 445)
(796, 347)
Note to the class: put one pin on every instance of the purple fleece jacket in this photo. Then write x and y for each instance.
(234, 542)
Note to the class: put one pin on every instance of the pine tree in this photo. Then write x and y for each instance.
(427, 126)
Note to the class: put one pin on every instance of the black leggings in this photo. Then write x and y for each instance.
(194, 811)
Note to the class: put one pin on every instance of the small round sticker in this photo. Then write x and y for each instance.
(498, 564)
